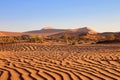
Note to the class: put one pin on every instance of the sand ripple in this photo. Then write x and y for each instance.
(59, 62)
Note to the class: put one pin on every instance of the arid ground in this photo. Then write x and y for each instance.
(32, 61)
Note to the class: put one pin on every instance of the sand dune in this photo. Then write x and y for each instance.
(6, 33)
(59, 62)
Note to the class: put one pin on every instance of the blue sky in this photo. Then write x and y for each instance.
(24, 15)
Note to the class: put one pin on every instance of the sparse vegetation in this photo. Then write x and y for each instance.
(21, 39)
(109, 38)
(67, 38)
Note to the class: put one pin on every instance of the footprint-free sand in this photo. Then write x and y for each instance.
(31, 61)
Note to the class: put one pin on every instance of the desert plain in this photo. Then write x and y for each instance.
(34, 61)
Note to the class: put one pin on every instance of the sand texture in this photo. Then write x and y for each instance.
(59, 62)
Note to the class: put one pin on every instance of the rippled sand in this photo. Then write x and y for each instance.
(59, 62)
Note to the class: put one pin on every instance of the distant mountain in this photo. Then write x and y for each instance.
(78, 31)
(50, 31)
(46, 31)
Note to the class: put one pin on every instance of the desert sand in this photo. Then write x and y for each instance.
(24, 61)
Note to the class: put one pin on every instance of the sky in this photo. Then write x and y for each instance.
(25, 15)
